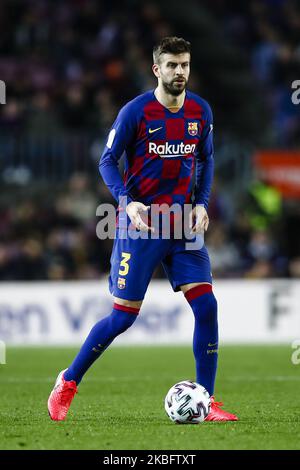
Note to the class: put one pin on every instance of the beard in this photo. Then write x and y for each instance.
(174, 88)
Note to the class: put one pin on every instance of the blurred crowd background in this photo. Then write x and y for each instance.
(70, 65)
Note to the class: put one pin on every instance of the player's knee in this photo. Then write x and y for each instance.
(128, 303)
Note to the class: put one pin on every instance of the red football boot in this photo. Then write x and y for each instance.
(216, 414)
(61, 397)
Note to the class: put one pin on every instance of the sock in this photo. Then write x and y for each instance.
(99, 338)
(205, 340)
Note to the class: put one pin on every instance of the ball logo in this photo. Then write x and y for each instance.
(193, 128)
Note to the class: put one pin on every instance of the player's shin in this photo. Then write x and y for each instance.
(205, 341)
(99, 338)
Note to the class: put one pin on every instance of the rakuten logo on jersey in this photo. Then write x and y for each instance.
(171, 150)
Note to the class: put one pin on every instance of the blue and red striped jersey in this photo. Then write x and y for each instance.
(161, 150)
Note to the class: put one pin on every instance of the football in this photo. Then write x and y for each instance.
(187, 403)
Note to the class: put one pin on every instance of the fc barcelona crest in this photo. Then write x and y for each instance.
(121, 283)
(193, 128)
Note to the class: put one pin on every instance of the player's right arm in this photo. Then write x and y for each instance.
(121, 136)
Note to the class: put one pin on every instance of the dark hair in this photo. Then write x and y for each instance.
(170, 45)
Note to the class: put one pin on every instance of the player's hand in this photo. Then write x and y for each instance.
(134, 210)
(198, 220)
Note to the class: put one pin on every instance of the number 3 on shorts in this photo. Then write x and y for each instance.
(124, 266)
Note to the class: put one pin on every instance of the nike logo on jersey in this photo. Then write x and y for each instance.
(154, 130)
(210, 128)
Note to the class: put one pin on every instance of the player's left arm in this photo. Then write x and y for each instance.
(204, 175)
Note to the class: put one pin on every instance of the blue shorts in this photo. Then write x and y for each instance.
(133, 262)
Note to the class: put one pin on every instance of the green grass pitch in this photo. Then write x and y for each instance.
(120, 401)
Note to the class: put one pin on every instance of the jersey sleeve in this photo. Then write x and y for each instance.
(205, 162)
(120, 137)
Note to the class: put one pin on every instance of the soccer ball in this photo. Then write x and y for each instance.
(187, 403)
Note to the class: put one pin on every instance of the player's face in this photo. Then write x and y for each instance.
(173, 71)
